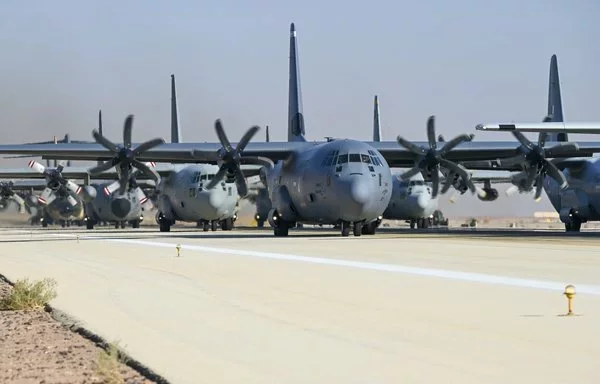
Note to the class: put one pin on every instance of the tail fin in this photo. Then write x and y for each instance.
(376, 123)
(267, 129)
(100, 127)
(555, 111)
(295, 116)
(175, 133)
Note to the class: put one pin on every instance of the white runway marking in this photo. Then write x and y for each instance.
(430, 272)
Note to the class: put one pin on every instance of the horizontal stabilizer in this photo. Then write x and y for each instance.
(550, 127)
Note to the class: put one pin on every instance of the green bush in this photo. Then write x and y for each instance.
(26, 295)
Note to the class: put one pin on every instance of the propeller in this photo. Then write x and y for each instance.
(229, 159)
(125, 156)
(6, 192)
(431, 161)
(56, 183)
(109, 189)
(534, 159)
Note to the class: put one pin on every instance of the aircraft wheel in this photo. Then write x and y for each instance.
(369, 229)
(205, 226)
(122, 224)
(281, 230)
(44, 224)
(164, 226)
(135, 224)
(260, 224)
(345, 226)
(214, 225)
(89, 224)
(357, 229)
(412, 224)
(227, 224)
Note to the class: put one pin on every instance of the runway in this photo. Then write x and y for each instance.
(243, 306)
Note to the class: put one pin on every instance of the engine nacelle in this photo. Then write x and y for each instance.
(491, 194)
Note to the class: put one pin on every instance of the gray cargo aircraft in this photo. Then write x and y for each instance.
(570, 184)
(342, 181)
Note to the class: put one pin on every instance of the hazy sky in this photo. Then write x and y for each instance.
(464, 61)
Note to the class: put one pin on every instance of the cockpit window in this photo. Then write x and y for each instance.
(365, 158)
(203, 177)
(354, 158)
(330, 159)
(342, 159)
(210, 177)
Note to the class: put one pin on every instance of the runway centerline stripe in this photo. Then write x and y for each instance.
(419, 271)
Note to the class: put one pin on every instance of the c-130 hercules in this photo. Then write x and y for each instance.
(342, 181)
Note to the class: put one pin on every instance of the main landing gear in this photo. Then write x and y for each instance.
(420, 223)
(358, 228)
(213, 225)
(573, 222)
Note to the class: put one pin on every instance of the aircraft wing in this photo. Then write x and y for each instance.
(27, 185)
(395, 155)
(550, 127)
(497, 177)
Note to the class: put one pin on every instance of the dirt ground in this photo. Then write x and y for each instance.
(35, 348)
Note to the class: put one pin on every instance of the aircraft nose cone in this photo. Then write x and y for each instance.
(423, 201)
(359, 191)
(215, 199)
(120, 207)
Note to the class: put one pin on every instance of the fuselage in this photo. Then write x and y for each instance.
(184, 195)
(60, 209)
(115, 207)
(582, 195)
(341, 180)
(411, 199)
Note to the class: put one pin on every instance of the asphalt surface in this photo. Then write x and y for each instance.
(402, 306)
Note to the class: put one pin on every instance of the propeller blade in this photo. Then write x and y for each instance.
(562, 150)
(542, 139)
(461, 171)
(217, 179)
(103, 141)
(246, 138)
(73, 186)
(240, 183)
(480, 192)
(539, 185)
(411, 147)
(127, 128)
(141, 196)
(44, 198)
(72, 200)
(222, 136)
(431, 132)
(147, 170)
(447, 183)
(555, 173)
(522, 139)
(435, 181)
(148, 145)
(410, 173)
(108, 190)
(512, 190)
(123, 179)
(454, 197)
(36, 166)
(101, 167)
(454, 142)
(19, 200)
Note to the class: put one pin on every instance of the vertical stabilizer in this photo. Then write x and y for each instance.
(555, 110)
(267, 138)
(175, 133)
(100, 122)
(100, 127)
(376, 123)
(295, 115)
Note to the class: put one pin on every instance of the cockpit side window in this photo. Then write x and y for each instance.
(342, 159)
(196, 177)
(365, 158)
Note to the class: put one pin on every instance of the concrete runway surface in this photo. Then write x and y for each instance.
(243, 306)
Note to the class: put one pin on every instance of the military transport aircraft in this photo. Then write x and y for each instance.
(570, 184)
(342, 181)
